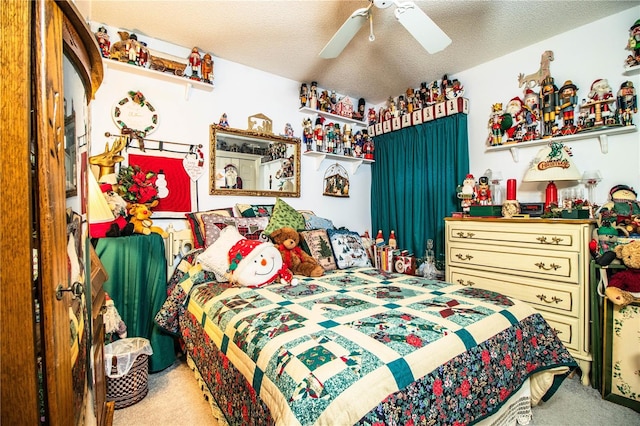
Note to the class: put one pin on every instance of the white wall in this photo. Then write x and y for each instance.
(583, 55)
(240, 92)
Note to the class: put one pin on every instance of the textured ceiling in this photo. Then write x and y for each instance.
(285, 37)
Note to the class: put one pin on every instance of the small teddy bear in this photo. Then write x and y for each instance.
(299, 262)
(623, 283)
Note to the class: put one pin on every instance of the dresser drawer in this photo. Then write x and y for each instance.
(525, 235)
(567, 329)
(543, 295)
(543, 264)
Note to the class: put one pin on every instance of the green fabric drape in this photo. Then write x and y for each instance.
(137, 270)
(414, 179)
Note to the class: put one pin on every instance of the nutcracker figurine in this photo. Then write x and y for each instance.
(567, 102)
(549, 97)
(368, 146)
(627, 103)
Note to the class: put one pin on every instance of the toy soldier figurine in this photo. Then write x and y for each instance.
(549, 97)
(318, 134)
(627, 103)
(195, 60)
(307, 133)
(103, 42)
(313, 95)
(567, 102)
(207, 68)
(304, 95)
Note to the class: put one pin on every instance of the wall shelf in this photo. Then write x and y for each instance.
(158, 75)
(602, 135)
(632, 69)
(335, 117)
(320, 156)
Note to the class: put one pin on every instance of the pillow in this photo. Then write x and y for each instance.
(252, 228)
(197, 227)
(317, 222)
(316, 243)
(348, 249)
(215, 258)
(284, 215)
(254, 210)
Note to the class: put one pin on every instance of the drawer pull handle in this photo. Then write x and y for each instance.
(554, 299)
(466, 284)
(464, 257)
(552, 266)
(467, 235)
(554, 240)
(556, 331)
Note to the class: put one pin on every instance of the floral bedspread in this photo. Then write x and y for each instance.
(360, 346)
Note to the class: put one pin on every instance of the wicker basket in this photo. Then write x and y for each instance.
(132, 387)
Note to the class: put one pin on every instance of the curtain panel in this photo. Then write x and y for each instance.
(414, 179)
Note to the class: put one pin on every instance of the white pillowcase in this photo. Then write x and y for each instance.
(216, 257)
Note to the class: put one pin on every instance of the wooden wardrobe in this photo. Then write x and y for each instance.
(36, 36)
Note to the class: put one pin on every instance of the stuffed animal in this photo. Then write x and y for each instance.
(140, 214)
(255, 264)
(605, 239)
(622, 206)
(623, 283)
(299, 262)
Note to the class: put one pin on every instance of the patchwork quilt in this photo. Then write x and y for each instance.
(361, 346)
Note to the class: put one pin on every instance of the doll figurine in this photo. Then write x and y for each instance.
(627, 103)
(600, 97)
(634, 43)
(307, 133)
(495, 124)
(223, 120)
(318, 134)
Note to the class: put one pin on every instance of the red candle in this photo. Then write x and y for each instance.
(511, 189)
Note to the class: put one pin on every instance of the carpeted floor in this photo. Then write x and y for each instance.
(175, 399)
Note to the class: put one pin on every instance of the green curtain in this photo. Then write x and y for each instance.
(414, 179)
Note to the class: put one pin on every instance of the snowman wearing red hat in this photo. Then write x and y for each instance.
(255, 264)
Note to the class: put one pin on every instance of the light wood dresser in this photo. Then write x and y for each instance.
(544, 262)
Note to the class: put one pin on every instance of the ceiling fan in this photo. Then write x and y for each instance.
(419, 25)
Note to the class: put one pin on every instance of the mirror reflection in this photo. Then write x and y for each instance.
(244, 162)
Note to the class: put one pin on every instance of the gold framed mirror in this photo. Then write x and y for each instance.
(244, 162)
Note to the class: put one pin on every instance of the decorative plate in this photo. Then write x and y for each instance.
(136, 113)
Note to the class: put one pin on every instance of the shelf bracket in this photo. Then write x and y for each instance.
(355, 165)
(604, 143)
(318, 159)
(515, 153)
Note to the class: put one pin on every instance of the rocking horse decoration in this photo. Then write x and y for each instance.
(532, 80)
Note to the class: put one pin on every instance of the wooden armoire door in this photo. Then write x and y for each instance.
(36, 380)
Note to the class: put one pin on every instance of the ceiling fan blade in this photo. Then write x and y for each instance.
(421, 27)
(346, 32)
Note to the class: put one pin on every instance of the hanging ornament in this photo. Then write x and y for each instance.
(193, 163)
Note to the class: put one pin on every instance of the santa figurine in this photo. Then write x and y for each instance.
(512, 119)
(600, 98)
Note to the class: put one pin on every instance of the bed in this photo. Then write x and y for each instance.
(360, 346)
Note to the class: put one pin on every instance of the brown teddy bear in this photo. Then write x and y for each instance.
(624, 283)
(299, 262)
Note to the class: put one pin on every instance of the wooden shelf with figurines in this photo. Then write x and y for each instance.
(335, 130)
(554, 114)
(434, 100)
(132, 56)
